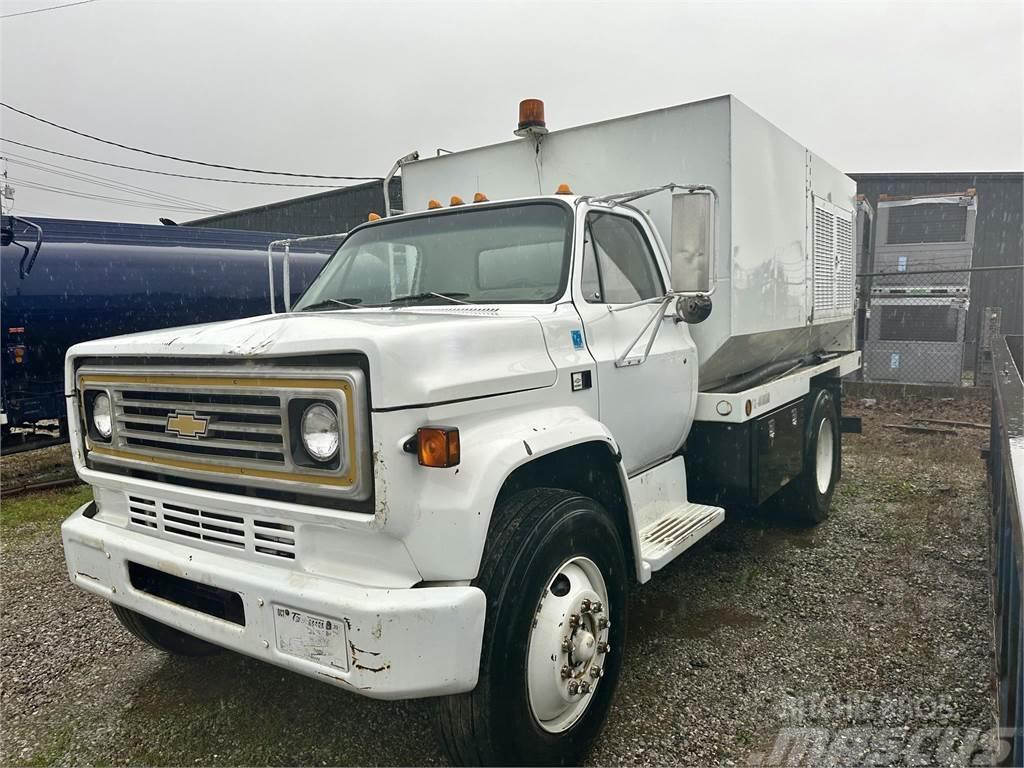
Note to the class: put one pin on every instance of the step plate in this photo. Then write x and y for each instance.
(667, 537)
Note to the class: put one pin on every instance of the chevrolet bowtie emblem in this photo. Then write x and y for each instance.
(186, 424)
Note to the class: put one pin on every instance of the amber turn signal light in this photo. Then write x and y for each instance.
(373, 217)
(456, 200)
(563, 189)
(436, 446)
(434, 204)
(480, 197)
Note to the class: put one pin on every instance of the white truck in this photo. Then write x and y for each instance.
(440, 472)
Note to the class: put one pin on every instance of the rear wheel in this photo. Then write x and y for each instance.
(162, 637)
(807, 500)
(555, 575)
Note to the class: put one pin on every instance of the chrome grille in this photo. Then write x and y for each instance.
(260, 536)
(243, 427)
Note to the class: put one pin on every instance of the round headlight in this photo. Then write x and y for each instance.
(101, 419)
(320, 434)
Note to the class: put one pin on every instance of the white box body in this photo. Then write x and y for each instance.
(777, 297)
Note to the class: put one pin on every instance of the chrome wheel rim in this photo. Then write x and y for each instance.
(568, 645)
(824, 457)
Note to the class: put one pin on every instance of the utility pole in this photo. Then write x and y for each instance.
(6, 193)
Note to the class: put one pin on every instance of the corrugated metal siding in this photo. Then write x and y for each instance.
(998, 239)
(321, 214)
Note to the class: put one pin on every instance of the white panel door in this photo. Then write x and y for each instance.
(647, 404)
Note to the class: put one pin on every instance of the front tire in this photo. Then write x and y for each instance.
(555, 575)
(162, 637)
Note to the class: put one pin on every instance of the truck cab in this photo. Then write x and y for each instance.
(438, 473)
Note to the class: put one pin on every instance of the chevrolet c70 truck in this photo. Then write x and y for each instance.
(439, 473)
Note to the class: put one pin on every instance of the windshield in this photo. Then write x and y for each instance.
(514, 253)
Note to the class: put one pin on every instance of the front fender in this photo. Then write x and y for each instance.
(453, 506)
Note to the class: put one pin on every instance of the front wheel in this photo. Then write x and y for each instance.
(555, 575)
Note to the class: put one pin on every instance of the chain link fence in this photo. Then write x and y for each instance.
(913, 327)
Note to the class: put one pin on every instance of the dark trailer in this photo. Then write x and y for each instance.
(93, 279)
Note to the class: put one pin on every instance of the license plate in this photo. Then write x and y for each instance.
(308, 636)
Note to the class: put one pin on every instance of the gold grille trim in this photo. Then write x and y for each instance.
(246, 433)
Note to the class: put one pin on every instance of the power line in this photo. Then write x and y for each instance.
(43, 10)
(101, 181)
(103, 198)
(175, 175)
(181, 159)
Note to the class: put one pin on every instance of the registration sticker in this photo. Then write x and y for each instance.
(311, 637)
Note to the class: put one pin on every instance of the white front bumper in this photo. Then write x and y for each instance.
(401, 643)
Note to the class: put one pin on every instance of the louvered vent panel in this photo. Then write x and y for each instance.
(824, 261)
(844, 263)
(833, 261)
(242, 532)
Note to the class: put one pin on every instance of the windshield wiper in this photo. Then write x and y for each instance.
(347, 303)
(455, 297)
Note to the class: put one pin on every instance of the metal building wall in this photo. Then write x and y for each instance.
(998, 241)
(321, 214)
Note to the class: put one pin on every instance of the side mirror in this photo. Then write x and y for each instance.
(692, 248)
(693, 309)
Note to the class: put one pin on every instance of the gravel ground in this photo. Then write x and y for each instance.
(873, 627)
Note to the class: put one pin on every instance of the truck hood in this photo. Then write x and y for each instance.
(415, 357)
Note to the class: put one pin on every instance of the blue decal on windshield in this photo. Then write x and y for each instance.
(577, 339)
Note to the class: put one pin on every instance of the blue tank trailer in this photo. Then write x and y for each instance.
(63, 281)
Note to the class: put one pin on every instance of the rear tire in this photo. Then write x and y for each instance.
(807, 500)
(551, 553)
(162, 637)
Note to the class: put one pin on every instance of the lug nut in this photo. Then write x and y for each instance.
(584, 606)
(566, 644)
(584, 688)
(566, 672)
(602, 623)
(574, 620)
(604, 647)
(596, 607)
(596, 672)
(573, 688)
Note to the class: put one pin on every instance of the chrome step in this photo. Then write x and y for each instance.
(664, 539)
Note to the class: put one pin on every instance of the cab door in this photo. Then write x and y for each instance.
(646, 402)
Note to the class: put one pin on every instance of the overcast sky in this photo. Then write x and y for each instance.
(346, 88)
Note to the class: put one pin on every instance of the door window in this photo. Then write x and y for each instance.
(618, 265)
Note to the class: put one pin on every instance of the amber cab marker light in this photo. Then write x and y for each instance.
(456, 200)
(433, 205)
(438, 446)
(480, 197)
(373, 217)
(563, 189)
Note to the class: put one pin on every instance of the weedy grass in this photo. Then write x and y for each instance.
(21, 514)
